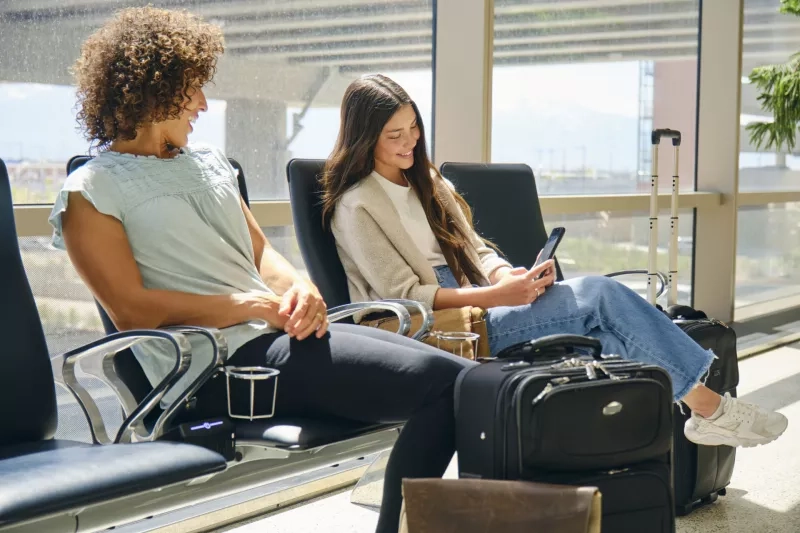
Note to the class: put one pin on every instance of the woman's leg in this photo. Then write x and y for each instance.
(627, 325)
(370, 375)
(622, 320)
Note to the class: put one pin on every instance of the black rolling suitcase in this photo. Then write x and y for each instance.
(701, 472)
(547, 415)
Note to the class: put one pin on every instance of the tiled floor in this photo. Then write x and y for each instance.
(764, 495)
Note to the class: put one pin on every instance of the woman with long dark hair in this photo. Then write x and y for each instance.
(157, 229)
(402, 231)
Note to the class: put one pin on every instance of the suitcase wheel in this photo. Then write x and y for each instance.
(711, 498)
(722, 492)
(683, 510)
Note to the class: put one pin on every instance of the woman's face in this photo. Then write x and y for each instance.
(176, 130)
(395, 147)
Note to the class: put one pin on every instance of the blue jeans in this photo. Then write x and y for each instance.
(597, 306)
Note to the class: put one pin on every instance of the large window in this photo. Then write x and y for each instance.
(767, 264)
(767, 259)
(769, 38)
(276, 94)
(578, 88)
(603, 242)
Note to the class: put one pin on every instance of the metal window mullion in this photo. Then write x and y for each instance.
(463, 48)
(717, 161)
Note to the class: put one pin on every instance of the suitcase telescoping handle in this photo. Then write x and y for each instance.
(540, 347)
(652, 264)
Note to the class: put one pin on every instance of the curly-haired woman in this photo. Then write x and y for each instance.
(157, 229)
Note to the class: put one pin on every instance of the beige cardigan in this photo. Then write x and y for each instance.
(380, 259)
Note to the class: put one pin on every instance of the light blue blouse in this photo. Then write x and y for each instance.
(186, 229)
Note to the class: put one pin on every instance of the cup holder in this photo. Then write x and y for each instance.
(252, 374)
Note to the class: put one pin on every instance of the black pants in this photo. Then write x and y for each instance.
(363, 374)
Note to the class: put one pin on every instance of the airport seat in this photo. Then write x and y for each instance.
(318, 246)
(45, 482)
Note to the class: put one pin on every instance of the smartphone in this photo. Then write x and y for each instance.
(549, 249)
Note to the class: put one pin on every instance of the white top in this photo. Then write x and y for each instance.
(413, 217)
(183, 218)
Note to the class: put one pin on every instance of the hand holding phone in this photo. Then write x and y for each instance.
(549, 250)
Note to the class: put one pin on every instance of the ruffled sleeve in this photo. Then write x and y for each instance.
(97, 187)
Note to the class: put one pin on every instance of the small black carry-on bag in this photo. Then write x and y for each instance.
(701, 472)
(545, 412)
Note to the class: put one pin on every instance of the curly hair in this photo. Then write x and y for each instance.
(139, 67)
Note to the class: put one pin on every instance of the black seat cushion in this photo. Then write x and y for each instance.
(27, 448)
(68, 477)
(301, 433)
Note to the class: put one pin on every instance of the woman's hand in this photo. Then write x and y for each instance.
(257, 305)
(305, 311)
(520, 286)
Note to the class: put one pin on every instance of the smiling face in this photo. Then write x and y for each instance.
(175, 131)
(394, 151)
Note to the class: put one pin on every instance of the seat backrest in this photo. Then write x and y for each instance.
(317, 245)
(126, 365)
(28, 410)
(505, 207)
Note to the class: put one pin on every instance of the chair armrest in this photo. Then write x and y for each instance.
(219, 346)
(343, 311)
(423, 309)
(661, 277)
(105, 350)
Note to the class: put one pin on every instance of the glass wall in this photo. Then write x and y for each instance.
(767, 269)
(276, 96)
(603, 242)
(769, 39)
(767, 259)
(577, 90)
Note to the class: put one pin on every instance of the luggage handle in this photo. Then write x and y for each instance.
(675, 135)
(542, 345)
(672, 294)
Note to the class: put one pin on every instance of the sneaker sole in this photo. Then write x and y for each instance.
(720, 440)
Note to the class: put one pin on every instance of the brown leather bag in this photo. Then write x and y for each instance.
(463, 319)
(491, 506)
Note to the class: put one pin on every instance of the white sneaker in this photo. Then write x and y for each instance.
(739, 424)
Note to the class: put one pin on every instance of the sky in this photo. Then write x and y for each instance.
(570, 115)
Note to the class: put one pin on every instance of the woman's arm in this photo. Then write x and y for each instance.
(517, 287)
(302, 303)
(98, 247)
(278, 274)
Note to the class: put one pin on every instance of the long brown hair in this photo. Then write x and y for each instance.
(368, 104)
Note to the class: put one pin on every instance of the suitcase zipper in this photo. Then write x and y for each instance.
(502, 416)
(699, 323)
